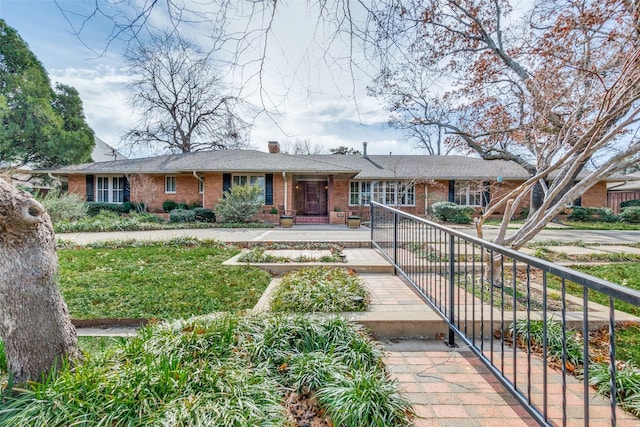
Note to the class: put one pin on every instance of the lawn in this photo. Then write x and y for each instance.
(575, 225)
(162, 281)
(627, 274)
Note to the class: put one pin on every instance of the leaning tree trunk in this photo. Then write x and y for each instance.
(34, 320)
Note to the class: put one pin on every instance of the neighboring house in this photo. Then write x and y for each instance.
(618, 192)
(312, 185)
(101, 152)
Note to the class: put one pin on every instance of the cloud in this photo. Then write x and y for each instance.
(105, 98)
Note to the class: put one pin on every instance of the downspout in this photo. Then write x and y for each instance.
(284, 177)
(202, 181)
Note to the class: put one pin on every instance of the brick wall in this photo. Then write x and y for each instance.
(596, 196)
(151, 191)
(78, 185)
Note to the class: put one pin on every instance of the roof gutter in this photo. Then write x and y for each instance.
(59, 178)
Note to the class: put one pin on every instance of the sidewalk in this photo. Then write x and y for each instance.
(336, 233)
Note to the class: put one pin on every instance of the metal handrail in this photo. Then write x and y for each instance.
(456, 273)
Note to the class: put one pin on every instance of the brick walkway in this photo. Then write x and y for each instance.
(452, 387)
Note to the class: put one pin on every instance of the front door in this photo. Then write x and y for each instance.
(315, 198)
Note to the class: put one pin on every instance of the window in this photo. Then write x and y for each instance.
(201, 185)
(386, 192)
(359, 193)
(110, 189)
(102, 189)
(117, 190)
(250, 179)
(169, 184)
(469, 193)
(406, 194)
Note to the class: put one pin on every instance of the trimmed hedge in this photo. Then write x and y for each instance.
(204, 214)
(627, 203)
(182, 215)
(169, 205)
(94, 208)
(450, 212)
(631, 214)
(589, 214)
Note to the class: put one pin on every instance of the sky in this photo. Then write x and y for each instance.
(309, 96)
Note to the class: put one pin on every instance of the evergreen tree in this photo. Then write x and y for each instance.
(40, 125)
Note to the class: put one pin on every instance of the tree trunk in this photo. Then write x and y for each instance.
(537, 198)
(34, 320)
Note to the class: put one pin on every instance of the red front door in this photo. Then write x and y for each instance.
(315, 198)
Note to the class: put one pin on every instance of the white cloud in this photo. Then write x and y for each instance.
(309, 87)
(104, 96)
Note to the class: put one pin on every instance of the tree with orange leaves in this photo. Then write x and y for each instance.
(555, 89)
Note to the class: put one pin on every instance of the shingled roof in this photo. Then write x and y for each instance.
(366, 168)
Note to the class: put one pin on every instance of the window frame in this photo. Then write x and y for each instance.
(109, 189)
(389, 192)
(249, 178)
(469, 191)
(200, 185)
(167, 187)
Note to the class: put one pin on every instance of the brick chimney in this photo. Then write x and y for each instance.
(274, 147)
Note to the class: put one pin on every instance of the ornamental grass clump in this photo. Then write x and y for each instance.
(627, 384)
(223, 370)
(320, 290)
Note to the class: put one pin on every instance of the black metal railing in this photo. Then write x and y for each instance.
(485, 292)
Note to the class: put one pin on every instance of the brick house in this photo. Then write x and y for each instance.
(628, 188)
(318, 188)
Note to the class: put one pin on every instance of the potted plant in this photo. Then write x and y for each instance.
(353, 221)
(286, 221)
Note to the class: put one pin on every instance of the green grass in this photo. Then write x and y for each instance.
(575, 225)
(628, 343)
(626, 274)
(164, 281)
(219, 371)
(320, 290)
(98, 345)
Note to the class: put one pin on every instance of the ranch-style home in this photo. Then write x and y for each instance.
(316, 188)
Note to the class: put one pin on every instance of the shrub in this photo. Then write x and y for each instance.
(240, 203)
(64, 206)
(631, 214)
(632, 202)
(169, 205)
(580, 214)
(194, 205)
(182, 215)
(450, 212)
(590, 214)
(95, 208)
(135, 207)
(204, 215)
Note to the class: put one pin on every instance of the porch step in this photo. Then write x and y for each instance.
(312, 219)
